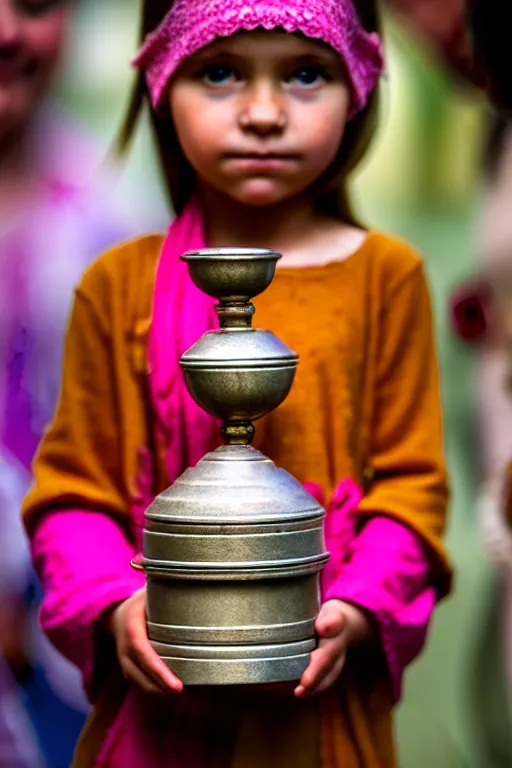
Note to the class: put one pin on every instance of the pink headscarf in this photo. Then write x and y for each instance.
(192, 24)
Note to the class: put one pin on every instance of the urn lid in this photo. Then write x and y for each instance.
(234, 484)
(242, 348)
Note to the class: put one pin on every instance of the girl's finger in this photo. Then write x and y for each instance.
(150, 662)
(320, 663)
(143, 655)
(138, 677)
(328, 680)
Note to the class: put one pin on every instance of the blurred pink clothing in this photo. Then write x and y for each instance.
(70, 218)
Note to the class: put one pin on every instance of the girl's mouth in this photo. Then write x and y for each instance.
(261, 161)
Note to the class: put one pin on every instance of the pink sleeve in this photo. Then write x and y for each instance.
(387, 573)
(83, 561)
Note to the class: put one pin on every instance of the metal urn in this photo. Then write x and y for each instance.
(233, 549)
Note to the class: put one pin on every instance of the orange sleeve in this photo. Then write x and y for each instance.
(78, 464)
(409, 479)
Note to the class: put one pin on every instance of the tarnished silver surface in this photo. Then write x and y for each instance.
(240, 374)
(252, 393)
(257, 608)
(232, 572)
(226, 652)
(236, 485)
(232, 551)
(285, 633)
(232, 273)
(245, 347)
(236, 664)
(245, 549)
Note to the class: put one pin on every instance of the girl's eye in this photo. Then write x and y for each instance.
(308, 77)
(217, 74)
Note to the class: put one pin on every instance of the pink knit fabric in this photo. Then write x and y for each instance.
(193, 24)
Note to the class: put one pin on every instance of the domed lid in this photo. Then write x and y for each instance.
(234, 484)
(242, 348)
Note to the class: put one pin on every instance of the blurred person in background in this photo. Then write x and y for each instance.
(443, 23)
(56, 214)
(482, 316)
(494, 401)
(470, 36)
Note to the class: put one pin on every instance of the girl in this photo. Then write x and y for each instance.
(260, 111)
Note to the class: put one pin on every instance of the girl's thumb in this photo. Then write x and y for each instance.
(330, 620)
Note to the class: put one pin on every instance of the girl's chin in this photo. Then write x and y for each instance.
(259, 193)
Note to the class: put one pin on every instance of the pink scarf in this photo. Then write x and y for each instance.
(181, 314)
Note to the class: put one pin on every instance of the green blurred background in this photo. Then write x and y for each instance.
(421, 181)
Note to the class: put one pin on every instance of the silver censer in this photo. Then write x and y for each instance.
(233, 549)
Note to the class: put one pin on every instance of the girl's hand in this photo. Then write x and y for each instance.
(140, 663)
(339, 626)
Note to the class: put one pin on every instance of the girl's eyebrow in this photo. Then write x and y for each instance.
(314, 57)
(219, 51)
(320, 57)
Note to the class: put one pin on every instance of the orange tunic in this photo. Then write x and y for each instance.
(365, 404)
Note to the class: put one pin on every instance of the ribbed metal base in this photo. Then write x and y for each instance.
(236, 665)
(171, 634)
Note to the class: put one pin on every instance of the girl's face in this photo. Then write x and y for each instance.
(260, 116)
(32, 34)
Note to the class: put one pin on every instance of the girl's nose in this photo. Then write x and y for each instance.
(9, 24)
(263, 109)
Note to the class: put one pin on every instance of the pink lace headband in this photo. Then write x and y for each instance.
(192, 24)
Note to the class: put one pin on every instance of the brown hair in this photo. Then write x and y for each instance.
(333, 197)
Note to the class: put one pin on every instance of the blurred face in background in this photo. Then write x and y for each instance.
(32, 38)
